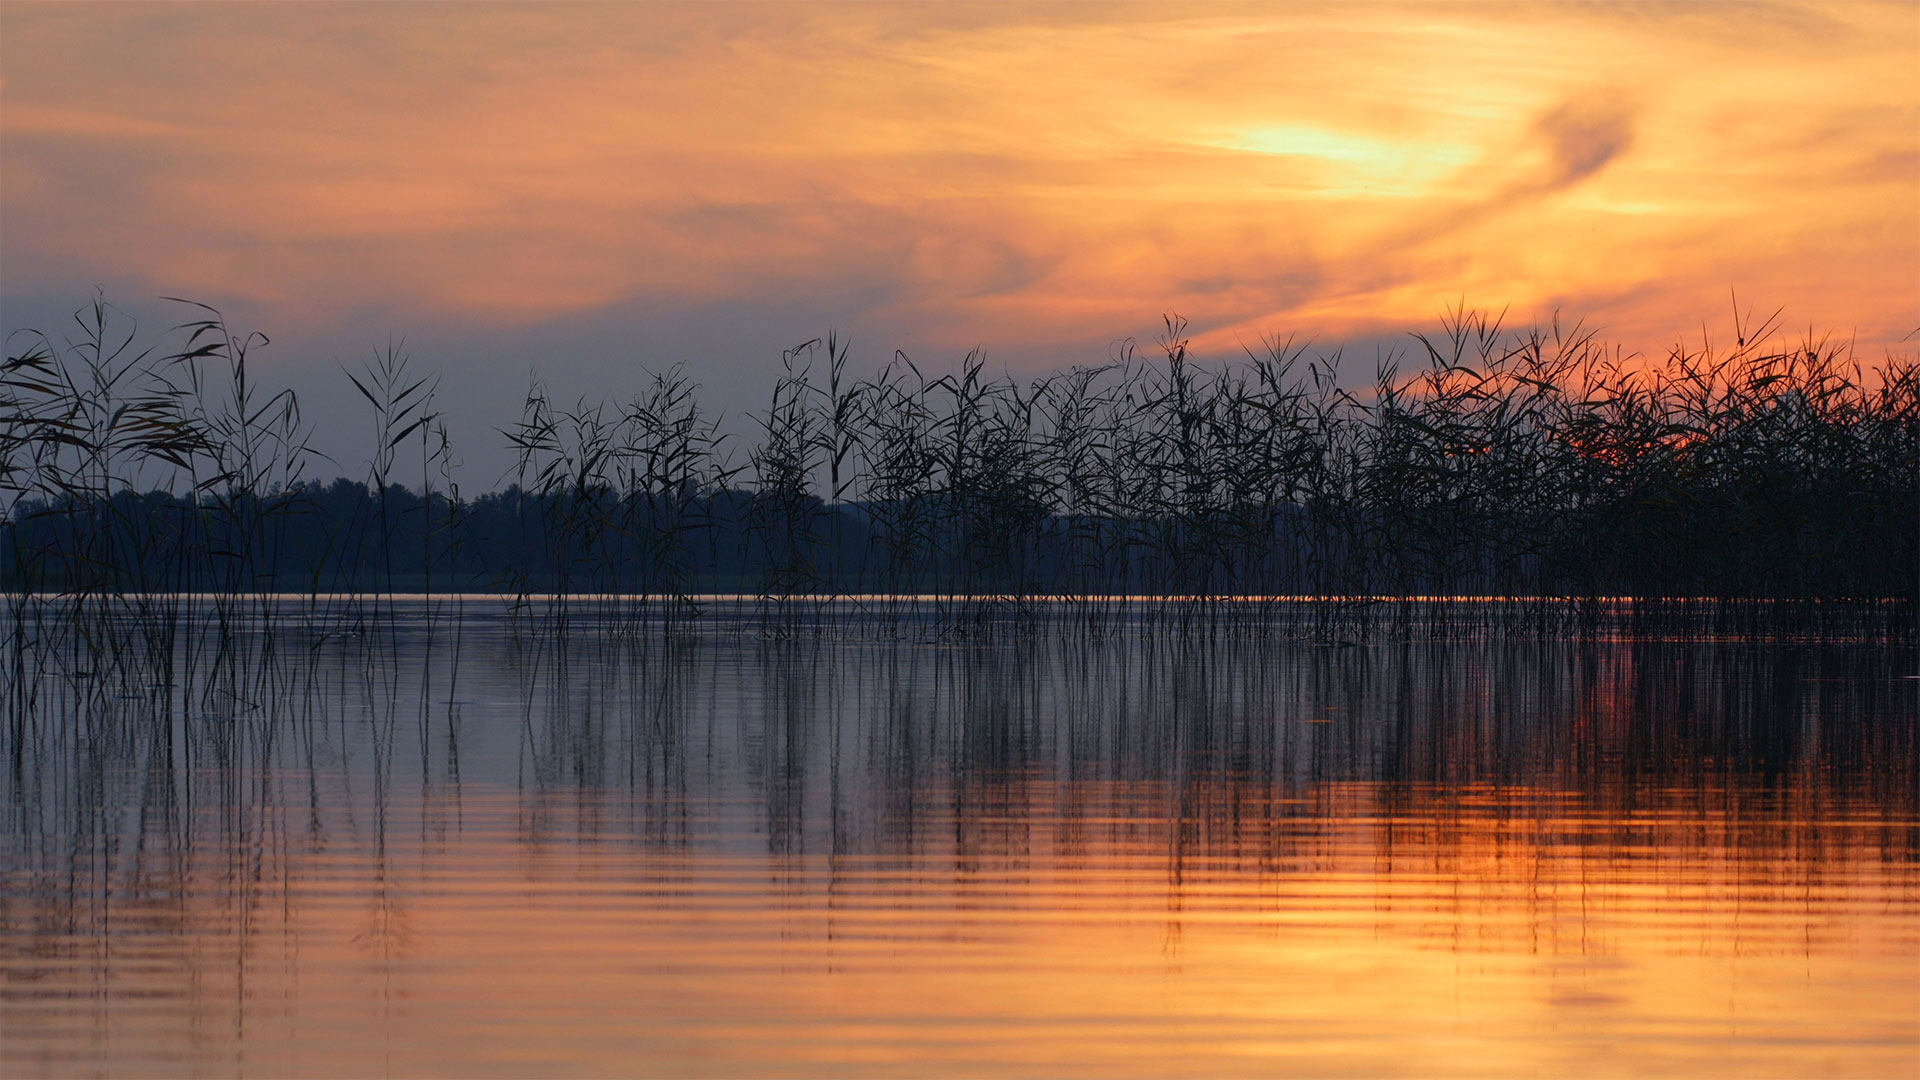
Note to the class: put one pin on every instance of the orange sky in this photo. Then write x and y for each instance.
(1038, 181)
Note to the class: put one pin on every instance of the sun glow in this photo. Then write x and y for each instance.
(1364, 164)
(956, 176)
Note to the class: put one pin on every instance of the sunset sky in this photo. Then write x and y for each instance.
(580, 189)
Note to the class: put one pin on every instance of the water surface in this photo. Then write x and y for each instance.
(1021, 852)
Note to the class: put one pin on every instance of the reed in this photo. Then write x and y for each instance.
(1773, 478)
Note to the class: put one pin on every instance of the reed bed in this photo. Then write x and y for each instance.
(157, 503)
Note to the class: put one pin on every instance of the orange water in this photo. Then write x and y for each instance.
(1026, 860)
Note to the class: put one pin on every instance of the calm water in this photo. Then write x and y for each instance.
(1021, 855)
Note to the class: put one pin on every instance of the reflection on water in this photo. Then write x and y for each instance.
(1144, 855)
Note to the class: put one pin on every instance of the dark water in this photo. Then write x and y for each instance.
(1029, 854)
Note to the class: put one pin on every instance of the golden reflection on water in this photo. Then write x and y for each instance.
(940, 882)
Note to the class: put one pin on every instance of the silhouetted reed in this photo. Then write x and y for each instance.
(1572, 488)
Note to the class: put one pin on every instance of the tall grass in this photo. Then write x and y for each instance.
(609, 499)
(143, 476)
(1770, 477)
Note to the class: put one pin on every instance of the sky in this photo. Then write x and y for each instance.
(585, 191)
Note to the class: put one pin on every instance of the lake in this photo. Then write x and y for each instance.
(452, 846)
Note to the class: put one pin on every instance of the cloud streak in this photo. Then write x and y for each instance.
(1583, 135)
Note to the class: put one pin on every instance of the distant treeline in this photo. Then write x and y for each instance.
(1536, 462)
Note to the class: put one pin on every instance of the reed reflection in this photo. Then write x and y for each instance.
(1150, 825)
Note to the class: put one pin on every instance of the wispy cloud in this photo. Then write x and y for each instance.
(1583, 135)
(1040, 175)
